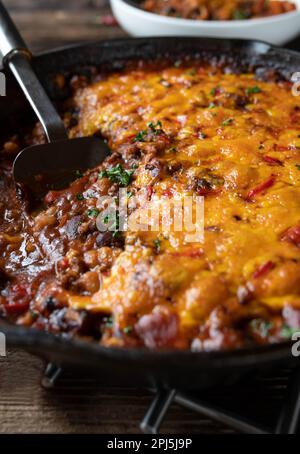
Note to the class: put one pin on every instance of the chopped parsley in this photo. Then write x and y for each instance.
(298, 166)
(128, 329)
(114, 221)
(202, 135)
(239, 15)
(157, 245)
(211, 105)
(78, 174)
(93, 212)
(118, 175)
(253, 90)
(261, 327)
(106, 219)
(79, 197)
(171, 150)
(140, 137)
(227, 122)
(109, 323)
(34, 315)
(287, 331)
(192, 72)
(154, 128)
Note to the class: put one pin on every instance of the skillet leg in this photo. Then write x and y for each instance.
(217, 414)
(157, 411)
(51, 374)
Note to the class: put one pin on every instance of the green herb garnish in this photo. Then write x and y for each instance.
(298, 166)
(171, 150)
(109, 323)
(34, 315)
(202, 135)
(253, 90)
(78, 174)
(287, 331)
(79, 197)
(157, 245)
(227, 122)
(93, 212)
(106, 219)
(192, 72)
(118, 175)
(239, 15)
(261, 327)
(114, 222)
(155, 127)
(140, 137)
(127, 330)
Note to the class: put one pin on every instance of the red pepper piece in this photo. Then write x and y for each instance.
(51, 197)
(277, 147)
(292, 235)
(168, 193)
(263, 269)
(63, 263)
(272, 161)
(16, 308)
(150, 191)
(19, 300)
(262, 187)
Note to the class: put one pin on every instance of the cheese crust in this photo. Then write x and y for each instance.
(175, 130)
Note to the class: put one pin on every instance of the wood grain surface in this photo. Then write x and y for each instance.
(79, 403)
(46, 24)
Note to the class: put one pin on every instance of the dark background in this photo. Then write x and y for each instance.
(80, 404)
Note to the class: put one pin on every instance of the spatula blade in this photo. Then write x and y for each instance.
(55, 164)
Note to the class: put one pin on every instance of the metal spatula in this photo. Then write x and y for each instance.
(53, 164)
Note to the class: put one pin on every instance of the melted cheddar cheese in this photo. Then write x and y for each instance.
(180, 130)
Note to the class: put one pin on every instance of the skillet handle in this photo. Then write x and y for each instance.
(17, 57)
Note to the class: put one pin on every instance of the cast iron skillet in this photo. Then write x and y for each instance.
(141, 367)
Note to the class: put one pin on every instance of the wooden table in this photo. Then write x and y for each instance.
(79, 404)
(51, 23)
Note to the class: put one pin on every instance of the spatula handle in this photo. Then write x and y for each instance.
(17, 57)
(10, 38)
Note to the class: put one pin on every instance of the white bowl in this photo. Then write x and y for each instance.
(275, 29)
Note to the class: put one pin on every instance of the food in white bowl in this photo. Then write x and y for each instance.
(218, 9)
(276, 28)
